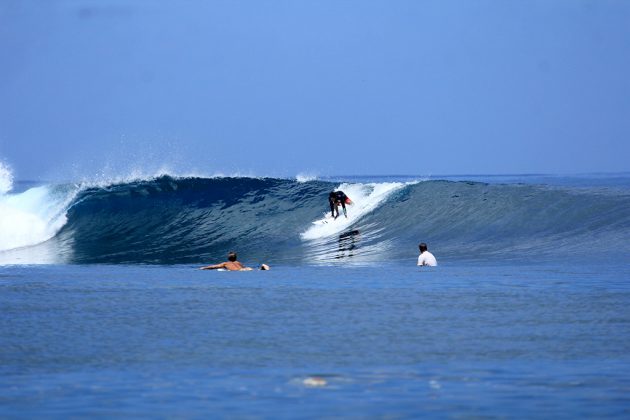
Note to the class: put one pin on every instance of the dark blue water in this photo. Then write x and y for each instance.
(458, 340)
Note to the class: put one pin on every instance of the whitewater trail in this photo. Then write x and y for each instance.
(365, 198)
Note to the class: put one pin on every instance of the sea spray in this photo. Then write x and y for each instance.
(6, 179)
(305, 177)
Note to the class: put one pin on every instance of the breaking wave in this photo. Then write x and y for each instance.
(171, 220)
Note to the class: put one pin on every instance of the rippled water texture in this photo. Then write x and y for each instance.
(456, 341)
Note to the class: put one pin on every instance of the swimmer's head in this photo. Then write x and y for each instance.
(232, 256)
(264, 267)
(423, 247)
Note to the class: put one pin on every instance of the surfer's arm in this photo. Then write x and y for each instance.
(213, 267)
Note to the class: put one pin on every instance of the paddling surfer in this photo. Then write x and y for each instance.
(232, 264)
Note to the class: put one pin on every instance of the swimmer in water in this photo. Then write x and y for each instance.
(232, 265)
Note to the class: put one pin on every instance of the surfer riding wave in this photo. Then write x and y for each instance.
(336, 199)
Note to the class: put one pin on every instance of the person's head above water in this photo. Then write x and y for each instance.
(232, 256)
(423, 247)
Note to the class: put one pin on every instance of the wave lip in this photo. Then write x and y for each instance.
(33, 216)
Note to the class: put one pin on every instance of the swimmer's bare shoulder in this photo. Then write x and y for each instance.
(233, 266)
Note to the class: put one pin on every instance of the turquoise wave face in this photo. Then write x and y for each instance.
(194, 220)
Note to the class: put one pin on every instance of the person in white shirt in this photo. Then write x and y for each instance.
(425, 257)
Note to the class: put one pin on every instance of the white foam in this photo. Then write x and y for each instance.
(32, 217)
(366, 197)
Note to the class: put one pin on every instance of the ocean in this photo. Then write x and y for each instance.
(105, 313)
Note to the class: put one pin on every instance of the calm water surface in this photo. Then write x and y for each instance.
(455, 341)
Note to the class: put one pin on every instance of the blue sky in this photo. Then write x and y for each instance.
(280, 88)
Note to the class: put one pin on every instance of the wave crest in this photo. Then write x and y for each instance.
(192, 220)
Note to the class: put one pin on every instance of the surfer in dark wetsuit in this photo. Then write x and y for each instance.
(335, 199)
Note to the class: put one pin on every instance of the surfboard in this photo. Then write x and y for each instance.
(328, 217)
(325, 220)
